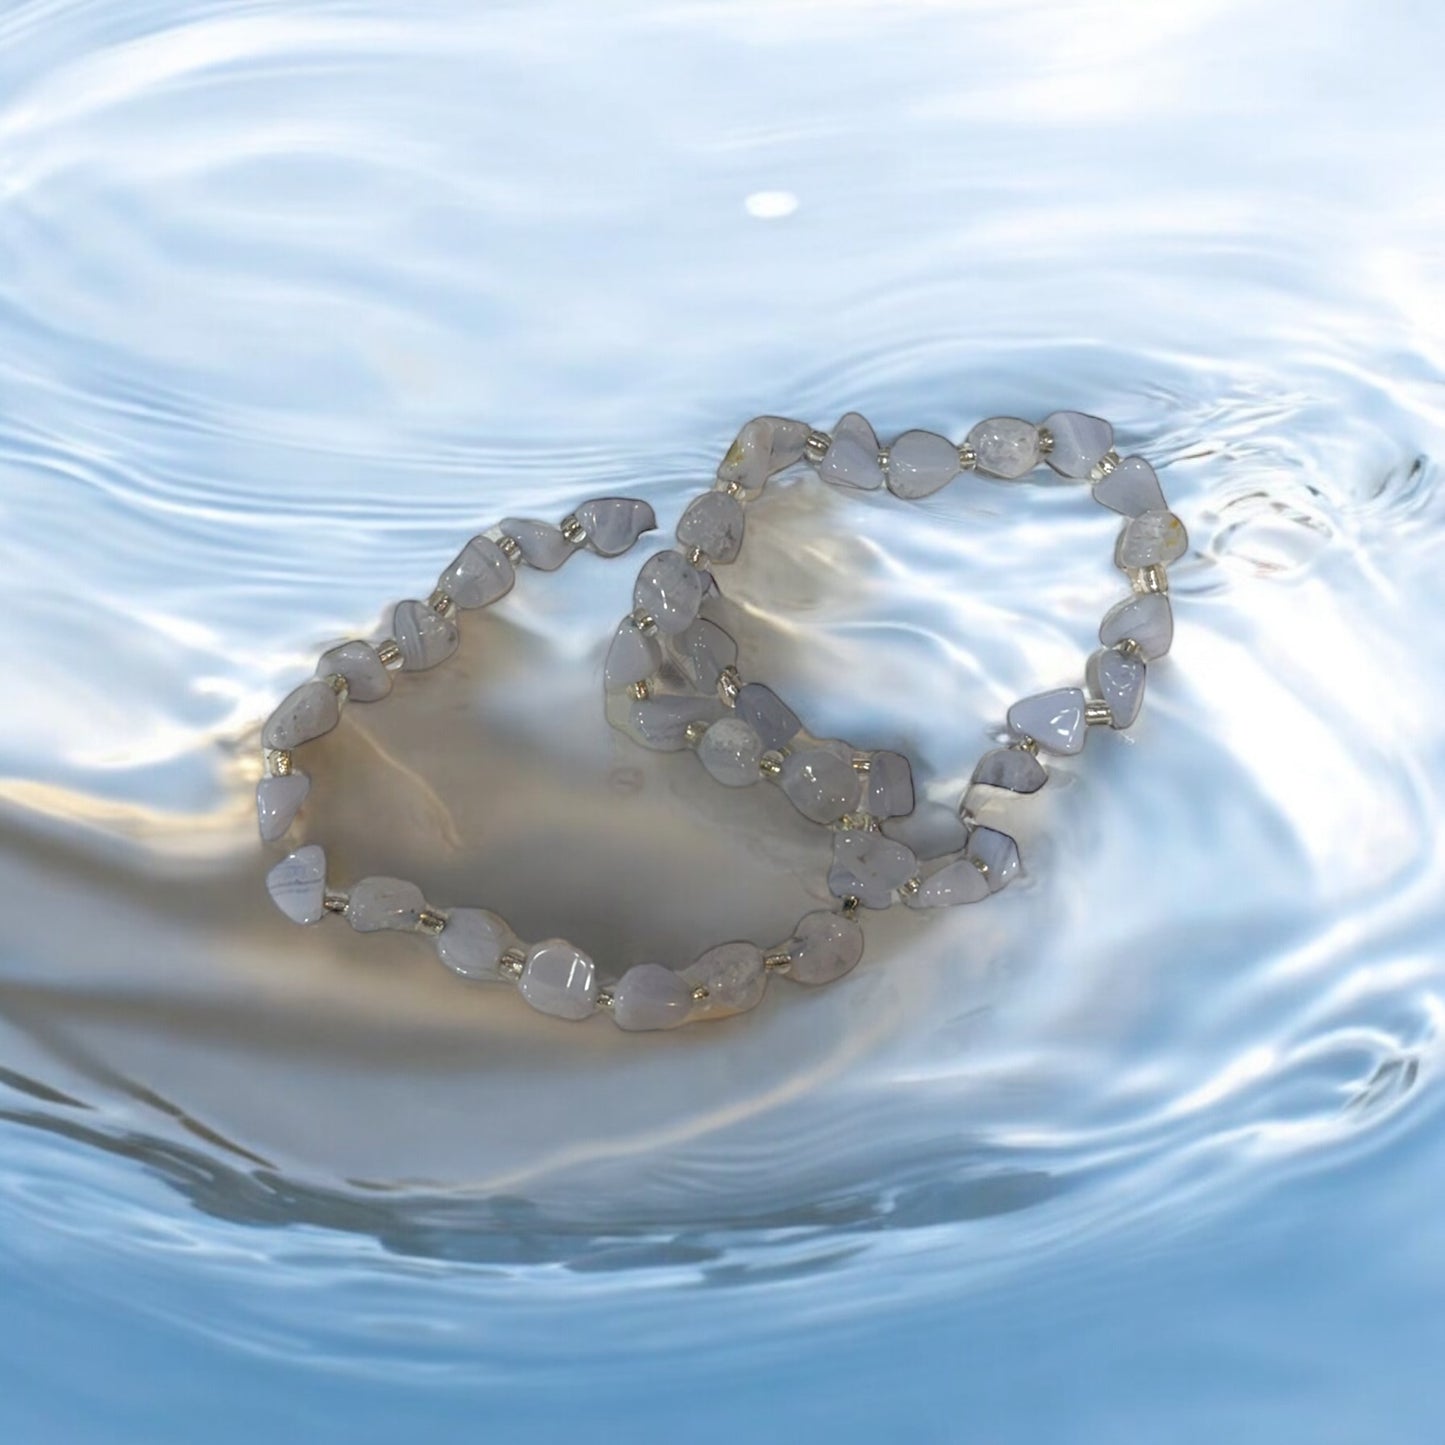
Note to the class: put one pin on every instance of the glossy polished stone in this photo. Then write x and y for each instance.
(669, 589)
(277, 802)
(661, 722)
(889, 786)
(920, 463)
(821, 783)
(650, 996)
(961, 881)
(478, 575)
(999, 854)
(425, 637)
(869, 867)
(852, 459)
(763, 448)
(632, 657)
(308, 712)
(1054, 720)
(1147, 620)
(775, 723)
(730, 751)
(473, 941)
(824, 947)
(1131, 488)
(1150, 538)
(1079, 441)
(613, 524)
(367, 679)
(1117, 679)
(559, 979)
(714, 522)
(297, 884)
(702, 652)
(1013, 768)
(543, 545)
(1005, 447)
(382, 903)
(735, 977)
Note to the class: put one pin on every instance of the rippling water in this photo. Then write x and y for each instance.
(295, 297)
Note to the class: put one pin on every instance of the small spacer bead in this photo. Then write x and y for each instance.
(696, 557)
(441, 603)
(851, 905)
(641, 690)
(1026, 745)
(967, 458)
(816, 447)
(389, 651)
(779, 962)
(572, 529)
(980, 865)
(604, 998)
(734, 489)
(335, 902)
(857, 823)
(511, 963)
(1106, 464)
(644, 621)
(1046, 441)
(862, 762)
(770, 765)
(910, 887)
(511, 548)
(696, 732)
(700, 994)
(1097, 713)
(430, 921)
(1152, 578)
(1129, 648)
(278, 761)
(338, 685)
(729, 685)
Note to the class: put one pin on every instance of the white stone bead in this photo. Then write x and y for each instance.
(998, 852)
(1013, 768)
(559, 979)
(473, 941)
(869, 866)
(702, 652)
(277, 802)
(764, 447)
(479, 574)
(889, 786)
(1131, 488)
(543, 546)
(960, 881)
(613, 524)
(735, 976)
(306, 713)
(852, 460)
(1079, 440)
(669, 589)
(824, 947)
(730, 751)
(821, 782)
(1117, 679)
(632, 657)
(714, 522)
(1150, 538)
(775, 723)
(380, 903)
(1054, 720)
(297, 884)
(367, 679)
(1147, 620)
(1005, 446)
(424, 636)
(661, 722)
(920, 463)
(650, 996)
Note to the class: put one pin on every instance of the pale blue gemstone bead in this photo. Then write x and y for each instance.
(1005, 447)
(297, 884)
(920, 463)
(559, 979)
(890, 786)
(308, 712)
(999, 854)
(764, 447)
(735, 976)
(1147, 620)
(959, 881)
(424, 636)
(473, 941)
(1013, 768)
(479, 574)
(821, 783)
(852, 459)
(702, 652)
(1118, 680)
(1054, 720)
(278, 800)
(775, 723)
(650, 996)
(661, 722)
(824, 947)
(613, 524)
(384, 903)
(669, 589)
(714, 522)
(633, 656)
(367, 678)
(730, 751)
(1131, 488)
(1079, 440)
(1151, 538)
(869, 867)
(543, 546)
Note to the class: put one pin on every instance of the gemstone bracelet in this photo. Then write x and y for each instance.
(672, 683)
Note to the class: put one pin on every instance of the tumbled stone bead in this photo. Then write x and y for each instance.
(702, 652)
(775, 723)
(997, 852)
(1079, 440)
(669, 589)
(297, 884)
(868, 866)
(479, 574)
(378, 903)
(1131, 488)
(824, 946)
(613, 524)
(1117, 679)
(920, 463)
(1013, 768)
(661, 722)
(308, 712)
(1150, 538)
(852, 459)
(730, 751)
(890, 786)
(820, 783)
(277, 802)
(1054, 720)
(473, 941)
(367, 679)
(543, 545)
(424, 636)
(632, 657)
(1005, 447)
(1147, 620)
(735, 977)
(714, 522)
(559, 979)
(961, 881)
(650, 996)
(761, 449)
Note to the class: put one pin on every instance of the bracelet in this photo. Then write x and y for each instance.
(671, 682)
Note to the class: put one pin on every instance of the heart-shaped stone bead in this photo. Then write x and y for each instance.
(959, 881)
(367, 679)
(1118, 680)
(543, 546)
(1005, 446)
(1147, 620)
(632, 657)
(920, 463)
(852, 459)
(764, 447)
(613, 524)
(479, 574)
(1016, 769)
(714, 522)
(1131, 488)
(824, 946)
(1079, 440)
(735, 976)
(1150, 538)
(424, 636)
(278, 800)
(1054, 720)
(297, 884)
(669, 589)
(998, 853)
(869, 866)
(305, 713)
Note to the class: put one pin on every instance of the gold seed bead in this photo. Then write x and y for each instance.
(850, 906)
(770, 764)
(1046, 441)
(816, 447)
(389, 651)
(696, 557)
(644, 621)
(604, 998)
(1101, 468)
(1026, 745)
(441, 603)
(338, 685)
(278, 761)
(735, 489)
(430, 921)
(641, 690)
(511, 963)
(967, 458)
(729, 685)
(1152, 578)
(911, 887)
(862, 762)
(695, 732)
(510, 547)
(335, 902)
(980, 865)
(1130, 648)
(573, 530)
(700, 994)
(779, 961)
(1097, 714)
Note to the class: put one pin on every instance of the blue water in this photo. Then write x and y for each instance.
(293, 298)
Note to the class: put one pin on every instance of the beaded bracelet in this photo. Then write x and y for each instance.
(672, 683)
